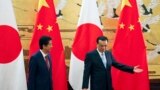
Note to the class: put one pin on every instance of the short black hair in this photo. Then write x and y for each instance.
(44, 40)
(103, 38)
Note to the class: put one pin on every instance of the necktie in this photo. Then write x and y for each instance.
(47, 62)
(104, 60)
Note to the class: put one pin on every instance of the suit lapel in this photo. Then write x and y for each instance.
(41, 58)
(99, 59)
(107, 58)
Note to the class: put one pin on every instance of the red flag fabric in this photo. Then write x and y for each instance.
(46, 24)
(129, 48)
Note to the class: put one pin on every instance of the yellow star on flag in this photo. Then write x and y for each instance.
(39, 26)
(122, 26)
(131, 27)
(125, 2)
(42, 3)
(49, 28)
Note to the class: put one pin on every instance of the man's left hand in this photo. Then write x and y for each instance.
(137, 69)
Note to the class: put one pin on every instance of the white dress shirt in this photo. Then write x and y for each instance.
(103, 57)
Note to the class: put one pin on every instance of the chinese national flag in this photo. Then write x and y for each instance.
(46, 24)
(129, 48)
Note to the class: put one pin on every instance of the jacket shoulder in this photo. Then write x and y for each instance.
(109, 52)
(92, 52)
(36, 55)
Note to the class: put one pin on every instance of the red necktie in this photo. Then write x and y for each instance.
(47, 62)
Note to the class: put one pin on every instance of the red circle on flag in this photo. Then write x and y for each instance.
(85, 40)
(10, 45)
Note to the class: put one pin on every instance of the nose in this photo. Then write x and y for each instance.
(104, 47)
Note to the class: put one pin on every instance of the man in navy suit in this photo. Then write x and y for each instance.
(98, 67)
(40, 77)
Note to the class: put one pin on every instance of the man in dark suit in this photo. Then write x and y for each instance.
(40, 67)
(98, 67)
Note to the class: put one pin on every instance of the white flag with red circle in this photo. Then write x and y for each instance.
(89, 28)
(12, 72)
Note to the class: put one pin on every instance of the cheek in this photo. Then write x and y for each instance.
(50, 47)
(102, 48)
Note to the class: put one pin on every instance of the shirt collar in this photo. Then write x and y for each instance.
(43, 54)
(100, 53)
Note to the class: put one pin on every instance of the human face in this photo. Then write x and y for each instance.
(47, 48)
(102, 45)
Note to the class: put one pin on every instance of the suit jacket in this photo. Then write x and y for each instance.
(40, 77)
(100, 77)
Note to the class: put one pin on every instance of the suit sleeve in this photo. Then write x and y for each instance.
(121, 66)
(87, 71)
(32, 73)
